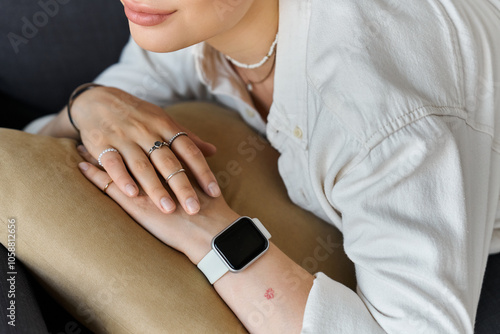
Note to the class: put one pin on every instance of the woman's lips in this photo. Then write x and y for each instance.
(143, 16)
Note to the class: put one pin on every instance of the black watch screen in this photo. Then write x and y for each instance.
(241, 243)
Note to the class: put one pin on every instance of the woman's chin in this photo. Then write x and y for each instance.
(159, 41)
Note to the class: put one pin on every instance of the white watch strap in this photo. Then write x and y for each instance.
(212, 266)
(261, 227)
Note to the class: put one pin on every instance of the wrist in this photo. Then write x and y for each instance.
(235, 248)
(199, 244)
(59, 127)
(77, 102)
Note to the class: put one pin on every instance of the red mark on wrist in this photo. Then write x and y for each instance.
(269, 294)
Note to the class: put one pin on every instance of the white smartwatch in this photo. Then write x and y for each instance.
(235, 248)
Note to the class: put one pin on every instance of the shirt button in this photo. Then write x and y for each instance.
(250, 113)
(297, 132)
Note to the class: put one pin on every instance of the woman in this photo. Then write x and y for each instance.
(386, 117)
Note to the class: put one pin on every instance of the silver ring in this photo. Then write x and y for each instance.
(158, 144)
(175, 137)
(104, 152)
(182, 170)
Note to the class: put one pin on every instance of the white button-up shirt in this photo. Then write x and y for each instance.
(387, 117)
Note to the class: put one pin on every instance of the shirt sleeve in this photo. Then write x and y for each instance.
(159, 78)
(415, 223)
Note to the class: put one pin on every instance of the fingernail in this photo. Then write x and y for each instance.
(214, 189)
(130, 189)
(192, 205)
(167, 204)
(81, 148)
(83, 166)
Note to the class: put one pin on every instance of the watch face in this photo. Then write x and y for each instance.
(241, 243)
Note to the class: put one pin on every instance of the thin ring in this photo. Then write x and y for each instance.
(182, 170)
(106, 186)
(158, 144)
(104, 152)
(175, 137)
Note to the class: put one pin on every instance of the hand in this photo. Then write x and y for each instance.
(110, 118)
(191, 235)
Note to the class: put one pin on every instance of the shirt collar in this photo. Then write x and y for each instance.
(289, 108)
(216, 74)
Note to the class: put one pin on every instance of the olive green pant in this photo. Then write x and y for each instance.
(109, 272)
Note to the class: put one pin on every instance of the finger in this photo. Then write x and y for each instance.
(86, 154)
(191, 155)
(141, 168)
(113, 163)
(141, 208)
(208, 149)
(100, 178)
(169, 166)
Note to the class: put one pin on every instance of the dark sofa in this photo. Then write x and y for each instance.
(48, 48)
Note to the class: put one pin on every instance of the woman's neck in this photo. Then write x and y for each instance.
(249, 41)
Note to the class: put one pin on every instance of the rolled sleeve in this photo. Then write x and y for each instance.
(417, 218)
(333, 308)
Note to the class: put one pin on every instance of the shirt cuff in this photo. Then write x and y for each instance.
(39, 123)
(334, 308)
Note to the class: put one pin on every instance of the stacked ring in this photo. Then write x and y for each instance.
(182, 170)
(104, 152)
(157, 145)
(175, 137)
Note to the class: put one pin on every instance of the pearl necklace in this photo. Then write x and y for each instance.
(260, 63)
